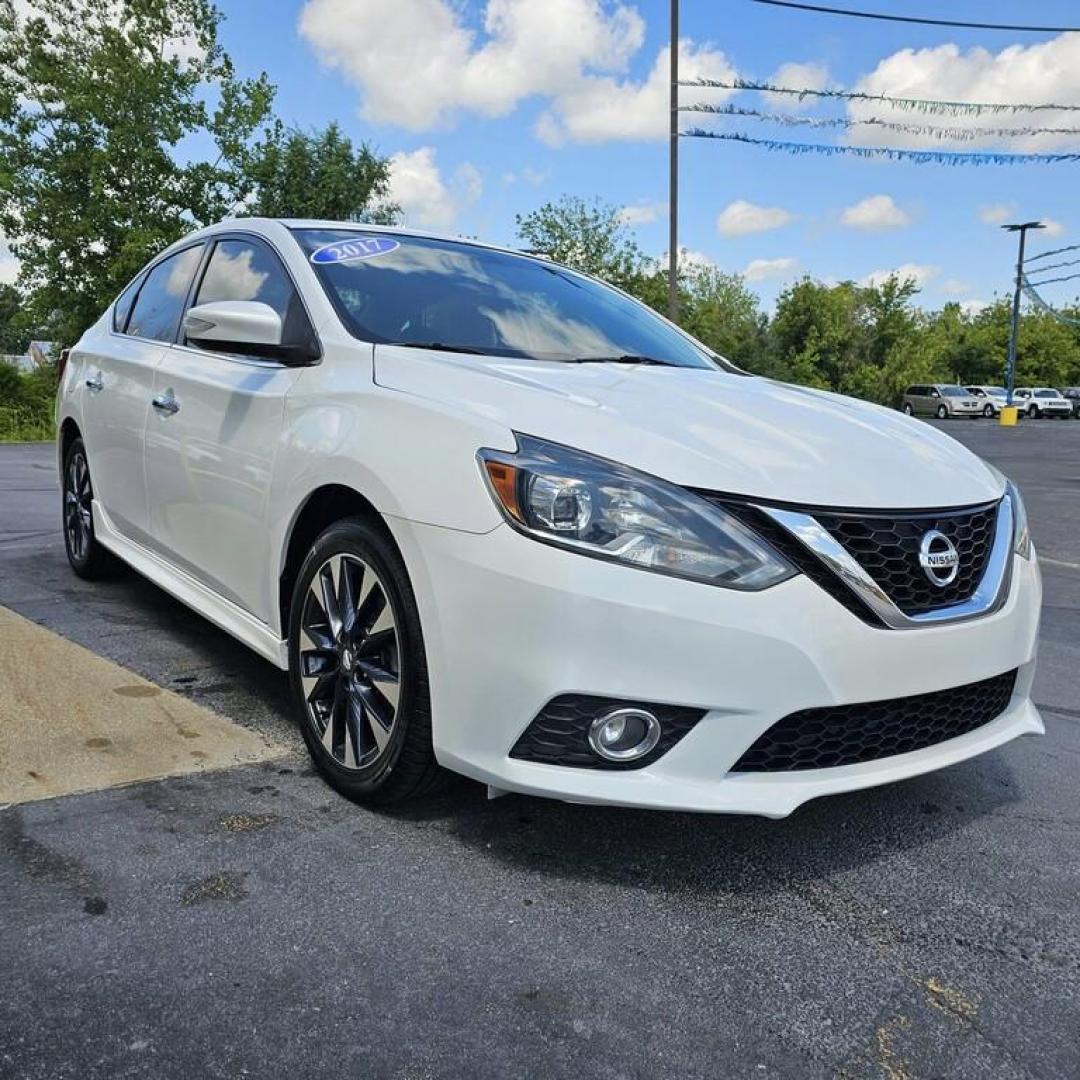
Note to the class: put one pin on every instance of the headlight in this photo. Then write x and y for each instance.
(599, 508)
(1021, 532)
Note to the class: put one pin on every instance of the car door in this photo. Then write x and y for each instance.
(210, 449)
(919, 399)
(118, 384)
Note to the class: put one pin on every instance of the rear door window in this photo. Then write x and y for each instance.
(157, 310)
(122, 307)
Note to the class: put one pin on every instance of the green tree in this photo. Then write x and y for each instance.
(98, 101)
(590, 236)
(14, 333)
(320, 175)
(720, 311)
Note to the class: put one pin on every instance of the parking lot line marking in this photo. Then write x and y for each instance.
(71, 721)
(1059, 563)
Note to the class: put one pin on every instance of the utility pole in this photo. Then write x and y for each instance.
(673, 181)
(1010, 374)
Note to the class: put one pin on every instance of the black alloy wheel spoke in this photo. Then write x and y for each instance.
(349, 661)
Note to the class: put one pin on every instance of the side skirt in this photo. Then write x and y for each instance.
(222, 613)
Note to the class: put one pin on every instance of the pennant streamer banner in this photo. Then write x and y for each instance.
(956, 108)
(1047, 254)
(933, 131)
(1042, 305)
(921, 157)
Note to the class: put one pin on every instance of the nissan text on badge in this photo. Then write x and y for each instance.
(500, 519)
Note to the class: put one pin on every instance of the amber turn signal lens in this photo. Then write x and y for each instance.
(504, 483)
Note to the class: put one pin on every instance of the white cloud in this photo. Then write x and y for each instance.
(9, 265)
(418, 187)
(693, 259)
(742, 218)
(973, 307)
(1046, 72)
(1053, 228)
(920, 273)
(996, 213)
(760, 269)
(955, 287)
(642, 213)
(875, 214)
(605, 108)
(797, 77)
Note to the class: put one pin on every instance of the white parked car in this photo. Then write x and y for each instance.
(1042, 401)
(497, 517)
(992, 398)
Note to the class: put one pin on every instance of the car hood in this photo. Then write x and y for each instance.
(723, 432)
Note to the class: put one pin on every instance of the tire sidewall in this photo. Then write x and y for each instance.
(80, 566)
(942, 412)
(354, 537)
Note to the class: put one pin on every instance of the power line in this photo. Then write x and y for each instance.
(822, 10)
(958, 134)
(1055, 266)
(921, 157)
(926, 105)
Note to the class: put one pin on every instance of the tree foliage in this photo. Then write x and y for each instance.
(123, 125)
(320, 175)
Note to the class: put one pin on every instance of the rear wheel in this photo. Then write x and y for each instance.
(87, 557)
(942, 412)
(357, 667)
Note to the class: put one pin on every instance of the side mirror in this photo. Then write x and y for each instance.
(246, 327)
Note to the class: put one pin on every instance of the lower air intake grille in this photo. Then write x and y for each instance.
(560, 733)
(850, 734)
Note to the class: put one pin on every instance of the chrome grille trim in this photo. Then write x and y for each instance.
(989, 596)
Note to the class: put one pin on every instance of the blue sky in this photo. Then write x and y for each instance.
(494, 107)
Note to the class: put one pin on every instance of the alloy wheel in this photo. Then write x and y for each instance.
(78, 499)
(350, 664)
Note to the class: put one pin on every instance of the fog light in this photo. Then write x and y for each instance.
(624, 734)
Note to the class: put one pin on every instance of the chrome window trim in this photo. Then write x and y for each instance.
(990, 596)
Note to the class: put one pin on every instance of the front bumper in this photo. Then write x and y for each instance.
(510, 623)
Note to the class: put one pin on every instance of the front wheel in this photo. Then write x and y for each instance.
(908, 409)
(988, 410)
(942, 412)
(1033, 412)
(87, 557)
(358, 669)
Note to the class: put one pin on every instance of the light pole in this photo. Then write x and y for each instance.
(673, 179)
(1010, 373)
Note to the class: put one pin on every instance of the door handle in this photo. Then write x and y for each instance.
(166, 403)
(94, 382)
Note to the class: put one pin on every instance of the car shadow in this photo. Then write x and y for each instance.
(669, 852)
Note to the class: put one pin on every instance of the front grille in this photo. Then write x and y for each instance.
(887, 548)
(851, 734)
(560, 733)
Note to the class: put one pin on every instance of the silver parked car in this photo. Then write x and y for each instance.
(992, 398)
(940, 400)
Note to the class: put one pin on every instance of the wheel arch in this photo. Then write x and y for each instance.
(68, 433)
(320, 509)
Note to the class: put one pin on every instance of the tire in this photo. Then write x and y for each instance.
(87, 557)
(359, 674)
(988, 411)
(1033, 412)
(908, 409)
(942, 412)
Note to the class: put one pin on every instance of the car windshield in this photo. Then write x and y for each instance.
(954, 391)
(411, 290)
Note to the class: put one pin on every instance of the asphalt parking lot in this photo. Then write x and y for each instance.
(250, 922)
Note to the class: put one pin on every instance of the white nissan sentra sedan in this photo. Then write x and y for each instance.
(498, 518)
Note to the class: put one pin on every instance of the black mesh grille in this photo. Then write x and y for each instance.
(850, 734)
(887, 548)
(560, 733)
